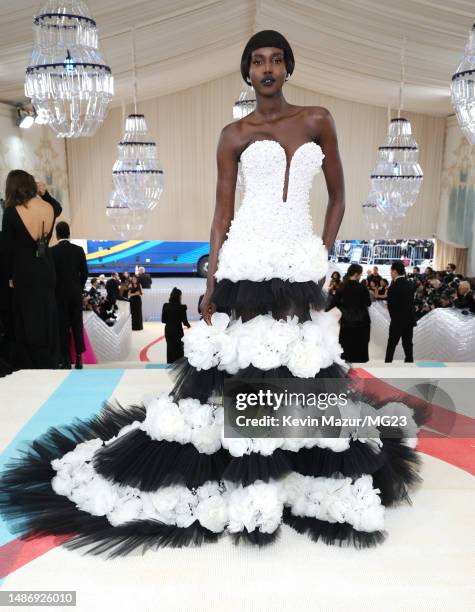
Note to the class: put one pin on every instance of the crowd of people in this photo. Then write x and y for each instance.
(104, 293)
(409, 297)
(42, 288)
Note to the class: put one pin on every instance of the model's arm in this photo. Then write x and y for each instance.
(333, 171)
(227, 167)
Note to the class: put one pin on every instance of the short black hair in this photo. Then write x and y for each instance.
(398, 267)
(266, 38)
(62, 230)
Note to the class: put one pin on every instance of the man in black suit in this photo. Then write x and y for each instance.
(112, 288)
(71, 276)
(145, 279)
(402, 313)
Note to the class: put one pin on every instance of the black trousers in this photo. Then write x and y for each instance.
(70, 319)
(396, 333)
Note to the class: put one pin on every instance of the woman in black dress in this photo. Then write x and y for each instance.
(27, 227)
(135, 299)
(174, 317)
(382, 293)
(353, 299)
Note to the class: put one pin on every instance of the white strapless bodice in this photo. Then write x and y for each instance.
(269, 237)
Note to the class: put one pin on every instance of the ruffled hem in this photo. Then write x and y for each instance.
(264, 296)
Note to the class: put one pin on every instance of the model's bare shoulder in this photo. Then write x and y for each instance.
(229, 140)
(320, 121)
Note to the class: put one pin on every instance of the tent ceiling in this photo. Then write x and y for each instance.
(344, 48)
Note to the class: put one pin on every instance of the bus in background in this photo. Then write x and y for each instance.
(156, 256)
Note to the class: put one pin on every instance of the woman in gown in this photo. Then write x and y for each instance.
(174, 317)
(165, 473)
(27, 228)
(353, 299)
(135, 299)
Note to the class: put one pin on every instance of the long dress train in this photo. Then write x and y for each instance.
(164, 474)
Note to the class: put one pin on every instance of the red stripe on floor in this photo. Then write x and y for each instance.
(459, 452)
(454, 447)
(144, 352)
(17, 553)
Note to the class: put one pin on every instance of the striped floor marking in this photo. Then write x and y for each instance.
(83, 392)
(16, 553)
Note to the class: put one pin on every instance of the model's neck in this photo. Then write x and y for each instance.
(269, 109)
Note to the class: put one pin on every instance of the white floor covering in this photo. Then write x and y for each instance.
(426, 563)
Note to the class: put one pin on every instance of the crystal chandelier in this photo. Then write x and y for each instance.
(397, 177)
(463, 90)
(125, 222)
(68, 81)
(244, 105)
(137, 174)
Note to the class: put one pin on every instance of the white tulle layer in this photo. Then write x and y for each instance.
(189, 421)
(266, 343)
(217, 506)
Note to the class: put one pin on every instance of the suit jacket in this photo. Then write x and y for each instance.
(174, 316)
(145, 280)
(71, 269)
(353, 299)
(401, 302)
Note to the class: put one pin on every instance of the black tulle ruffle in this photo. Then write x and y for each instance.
(189, 382)
(264, 296)
(341, 534)
(138, 461)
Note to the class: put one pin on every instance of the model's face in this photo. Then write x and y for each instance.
(267, 70)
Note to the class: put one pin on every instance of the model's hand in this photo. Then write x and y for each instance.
(207, 307)
(41, 188)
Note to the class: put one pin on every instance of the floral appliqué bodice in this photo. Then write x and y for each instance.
(270, 237)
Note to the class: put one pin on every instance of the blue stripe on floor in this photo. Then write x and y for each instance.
(157, 366)
(80, 395)
(430, 364)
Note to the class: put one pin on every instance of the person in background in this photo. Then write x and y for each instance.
(112, 288)
(402, 312)
(353, 299)
(145, 279)
(373, 289)
(374, 276)
(124, 285)
(382, 291)
(174, 317)
(94, 293)
(450, 272)
(135, 299)
(27, 227)
(445, 301)
(335, 282)
(428, 273)
(465, 297)
(71, 276)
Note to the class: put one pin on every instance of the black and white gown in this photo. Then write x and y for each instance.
(164, 474)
